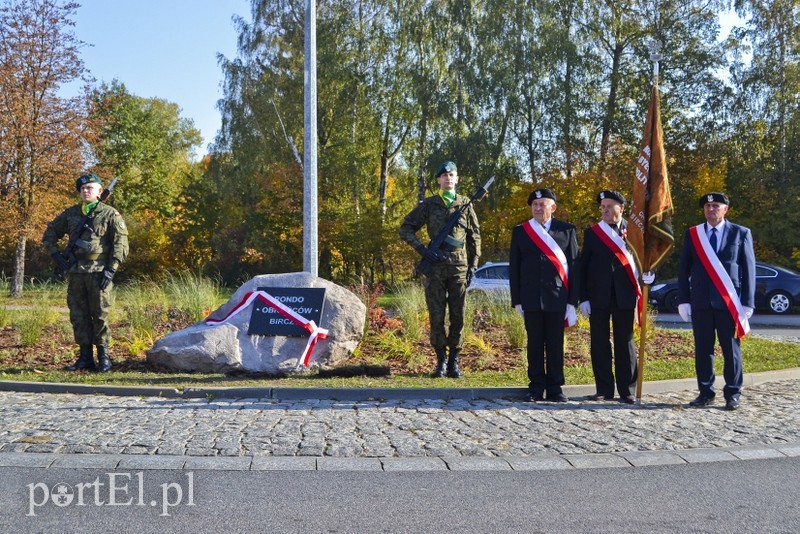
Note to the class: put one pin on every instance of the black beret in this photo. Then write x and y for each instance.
(722, 198)
(541, 193)
(613, 195)
(87, 179)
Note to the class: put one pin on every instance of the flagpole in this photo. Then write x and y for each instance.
(655, 56)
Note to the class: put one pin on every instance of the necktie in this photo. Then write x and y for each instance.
(713, 239)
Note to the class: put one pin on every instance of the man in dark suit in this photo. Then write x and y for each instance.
(542, 257)
(716, 291)
(608, 292)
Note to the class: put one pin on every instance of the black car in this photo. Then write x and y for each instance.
(777, 290)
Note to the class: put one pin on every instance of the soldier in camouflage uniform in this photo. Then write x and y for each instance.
(99, 250)
(452, 266)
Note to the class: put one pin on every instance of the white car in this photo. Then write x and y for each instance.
(491, 279)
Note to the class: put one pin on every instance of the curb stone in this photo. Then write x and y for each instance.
(363, 394)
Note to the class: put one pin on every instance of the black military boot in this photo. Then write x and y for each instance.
(85, 360)
(441, 360)
(452, 364)
(104, 362)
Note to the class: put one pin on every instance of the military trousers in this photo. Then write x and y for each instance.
(89, 308)
(446, 292)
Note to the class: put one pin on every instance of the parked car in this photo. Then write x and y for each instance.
(777, 290)
(491, 279)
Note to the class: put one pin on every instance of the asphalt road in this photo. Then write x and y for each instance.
(753, 496)
(774, 326)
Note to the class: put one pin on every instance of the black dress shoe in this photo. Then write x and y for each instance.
(628, 399)
(535, 397)
(599, 396)
(731, 404)
(558, 397)
(701, 400)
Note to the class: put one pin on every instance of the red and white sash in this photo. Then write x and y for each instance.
(617, 246)
(315, 332)
(720, 278)
(553, 252)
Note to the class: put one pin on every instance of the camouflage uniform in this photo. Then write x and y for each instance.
(447, 284)
(107, 247)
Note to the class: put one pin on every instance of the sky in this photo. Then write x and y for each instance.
(163, 48)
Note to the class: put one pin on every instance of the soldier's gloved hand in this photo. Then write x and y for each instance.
(433, 256)
(60, 261)
(106, 277)
(470, 275)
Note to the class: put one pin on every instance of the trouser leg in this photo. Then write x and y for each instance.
(703, 331)
(599, 332)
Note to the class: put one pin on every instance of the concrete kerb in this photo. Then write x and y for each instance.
(633, 459)
(363, 394)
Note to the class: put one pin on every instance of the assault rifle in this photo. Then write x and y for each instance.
(424, 266)
(75, 240)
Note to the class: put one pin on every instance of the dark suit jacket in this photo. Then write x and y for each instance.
(738, 259)
(534, 281)
(602, 274)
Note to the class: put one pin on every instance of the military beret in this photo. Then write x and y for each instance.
(447, 166)
(613, 195)
(541, 193)
(722, 198)
(87, 179)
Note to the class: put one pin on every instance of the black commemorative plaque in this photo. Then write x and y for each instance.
(267, 321)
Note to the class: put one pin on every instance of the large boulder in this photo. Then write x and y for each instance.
(228, 347)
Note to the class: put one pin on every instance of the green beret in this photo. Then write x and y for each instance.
(447, 166)
(87, 179)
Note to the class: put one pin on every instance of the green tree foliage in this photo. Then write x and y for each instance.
(763, 142)
(149, 146)
(550, 93)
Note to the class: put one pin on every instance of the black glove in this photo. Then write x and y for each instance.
(106, 277)
(433, 256)
(61, 263)
(470, 275)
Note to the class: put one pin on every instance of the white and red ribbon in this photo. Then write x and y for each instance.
(617, 246)
(553, 252)
(720, 278)
(315, 333)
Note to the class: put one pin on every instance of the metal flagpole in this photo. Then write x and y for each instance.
(655, 57)
(310, 241)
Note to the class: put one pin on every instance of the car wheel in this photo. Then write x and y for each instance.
(671, 302)
(780, 302)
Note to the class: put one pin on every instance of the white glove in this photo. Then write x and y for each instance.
(649, 277)
(748, 311)
(571, 317)
(685, 311)
(519, 311)
(586, 308)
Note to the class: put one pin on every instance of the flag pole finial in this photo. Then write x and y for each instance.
(655, 55)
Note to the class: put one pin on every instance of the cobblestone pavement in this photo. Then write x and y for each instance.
(67, 424)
